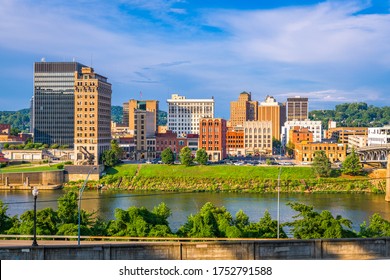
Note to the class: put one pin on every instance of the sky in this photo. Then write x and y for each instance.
(329, 51)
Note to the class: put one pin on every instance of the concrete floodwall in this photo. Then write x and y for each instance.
(355, 249)
(21, 180)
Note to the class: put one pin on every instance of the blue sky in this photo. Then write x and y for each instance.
(330, 51)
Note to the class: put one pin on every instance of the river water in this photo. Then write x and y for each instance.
(356, 207)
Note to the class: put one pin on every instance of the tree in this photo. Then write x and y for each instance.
(201, 156)
(318, 225)
(109, 158)
(119, 152)
(378, 227)
(5, 221)
(186, 156)
(167, 156)
(352, 165)
(290, 149)
(321, 164)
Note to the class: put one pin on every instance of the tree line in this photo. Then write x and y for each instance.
(210, 222)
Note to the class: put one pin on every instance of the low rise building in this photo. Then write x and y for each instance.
(299, 134)
(212, 138)
(314, 126)
(378, 135)
(341, 134)
(357, 141)
(304, 151)
(235, 141)
(258, 137)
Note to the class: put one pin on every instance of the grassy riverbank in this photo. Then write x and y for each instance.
(28, 167)
(232, 179)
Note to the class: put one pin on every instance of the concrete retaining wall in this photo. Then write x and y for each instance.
(24, 180)
(356, 249)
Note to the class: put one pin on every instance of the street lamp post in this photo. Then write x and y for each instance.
(79, 204)
(278, 214)
(35, 194)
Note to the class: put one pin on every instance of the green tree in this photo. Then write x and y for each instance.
(321, 164)
(119, 152)
(378, 227)
(167, 156)
(5, 220)
(265, 228)
(201, 156)
(313, 225)
(352, 165)
(54, 146)
(186, 156)
(141, 222)
(6, 145)
(109, 158)
(290, 147)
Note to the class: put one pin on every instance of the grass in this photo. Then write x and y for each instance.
(122, 170)
(218, 171)
(28, 167)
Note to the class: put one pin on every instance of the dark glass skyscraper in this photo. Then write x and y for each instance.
(52, 112)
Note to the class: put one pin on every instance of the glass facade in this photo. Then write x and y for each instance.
(53, 102)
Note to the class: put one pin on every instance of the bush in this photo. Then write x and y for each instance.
(60, 166)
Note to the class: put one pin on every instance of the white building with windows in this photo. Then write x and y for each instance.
(258, 137)
(313, 126)
(184, 114)
(378, 135)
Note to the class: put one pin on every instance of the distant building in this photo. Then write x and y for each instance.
(379, 135)
(166, 140)
(92, 119)
(52, 111)
(304, 151)
(235, 141)
(244, 109)
(297, 108)
(357, 141)
(341, 134)
(299, 134)
(314, 126)
(212, 138)
(184, 114)
(270, 110)
(144, 133)
(142, 105)
(258, 137)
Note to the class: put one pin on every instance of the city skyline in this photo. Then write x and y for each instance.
(329, 51)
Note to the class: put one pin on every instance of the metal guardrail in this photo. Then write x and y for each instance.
(125, 238)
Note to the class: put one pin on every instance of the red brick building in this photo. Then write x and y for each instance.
(212, 138)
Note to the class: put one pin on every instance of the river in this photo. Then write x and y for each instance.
(356, 207)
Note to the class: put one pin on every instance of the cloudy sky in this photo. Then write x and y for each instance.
(330, 51)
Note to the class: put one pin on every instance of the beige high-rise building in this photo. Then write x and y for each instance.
(92, 120)
(244, 109)
(132, 105)
(270, 110)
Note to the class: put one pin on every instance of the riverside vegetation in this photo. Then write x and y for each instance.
(209, 222)
(229, 178)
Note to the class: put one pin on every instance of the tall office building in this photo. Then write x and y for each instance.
(184, 114)
(92, 121)
(297, 108)
(270, 110)
(244, 109)
(52, 114)
(145, 105)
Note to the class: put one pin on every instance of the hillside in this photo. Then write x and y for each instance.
(353, 114)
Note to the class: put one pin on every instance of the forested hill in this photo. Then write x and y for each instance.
(20, 120)
(353, 114)
(346, 114)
